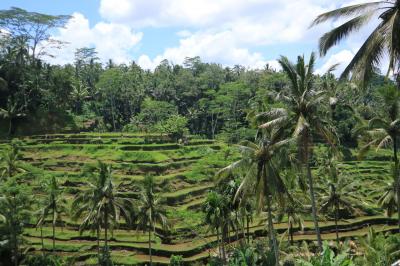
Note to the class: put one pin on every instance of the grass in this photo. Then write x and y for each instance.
(184, 174)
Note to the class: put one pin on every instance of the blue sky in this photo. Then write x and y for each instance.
(229, 32)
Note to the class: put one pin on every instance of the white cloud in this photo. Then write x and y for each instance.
(255, 22)
(111, 40)
(218, 47)
(342, 58)
(223, 31)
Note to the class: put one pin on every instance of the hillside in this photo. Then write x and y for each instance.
(184, 175)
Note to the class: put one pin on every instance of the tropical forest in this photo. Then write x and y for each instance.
(201, 163)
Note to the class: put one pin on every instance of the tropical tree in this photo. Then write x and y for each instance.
(383, 40)
(11, 112)
(54, 205)
(79, 93)
(15, 206)
(151, 211)
(339, 196)
(293, 211)
(258, 165)
(383, 130)
(216, 210)
(303, 117)
(102, 205)
(328, 258)
(388, 200)
(379, 249)
(10, 161)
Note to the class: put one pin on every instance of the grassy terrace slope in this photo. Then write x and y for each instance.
(184, 174)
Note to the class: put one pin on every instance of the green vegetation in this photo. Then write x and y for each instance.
(197, 163)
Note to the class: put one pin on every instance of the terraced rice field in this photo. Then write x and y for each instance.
(184, 174)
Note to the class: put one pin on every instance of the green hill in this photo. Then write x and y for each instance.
(184, 174)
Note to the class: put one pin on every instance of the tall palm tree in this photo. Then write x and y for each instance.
(11, 112)
(389, 198)
(102, 206)
(261, 178)
(384, 130)
(293, 209)
(303, 117)
(216, 209)
(79, 94)
(339, 196)
(53, 206)
(384, 39)
(10, 162)
(151, 211)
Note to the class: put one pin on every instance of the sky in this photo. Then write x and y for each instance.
(251, 33)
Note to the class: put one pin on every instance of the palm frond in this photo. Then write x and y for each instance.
(333, 37)
(347, 11)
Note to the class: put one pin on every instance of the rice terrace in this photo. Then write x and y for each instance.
(172, 133)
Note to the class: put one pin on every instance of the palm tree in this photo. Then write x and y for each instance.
(11, 112)
(261, 176)
(339, 196)
(384, 130)
(79, 94)
(303, 118)
(247, 214)
(53, 206)
(389, 199)
(216, 209)
(228, 189)
(102, 206)
(151, 211)
(11, 161)
(15, 207)
(384, 39)
(293, 210)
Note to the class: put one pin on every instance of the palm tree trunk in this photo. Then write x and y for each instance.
(151, 258)
(396, 171)
(9, 127)
(237, 225)
(291, 233)
(106, 228)
(54, 237)
(271, 231)
(223, 239)
(54, 228)
(311, 187)
(248, 229)
(98, 240)
(336, 222)
(219, 244)
(16, 256)
(41, 238)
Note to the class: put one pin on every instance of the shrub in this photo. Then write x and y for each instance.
(175, 126)
(176, 260)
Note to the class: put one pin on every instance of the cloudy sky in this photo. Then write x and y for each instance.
(246, 32)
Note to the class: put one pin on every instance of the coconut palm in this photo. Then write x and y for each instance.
(151, 211)
(293, 210)
(10, 162)
(79, 93)
(384, 130)
(216, 210)
(261, 178)
(303, 117)
(53, 206)
(101, 205)
(339, 196)
(388, 201)
(11, 112)
(384, 39)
